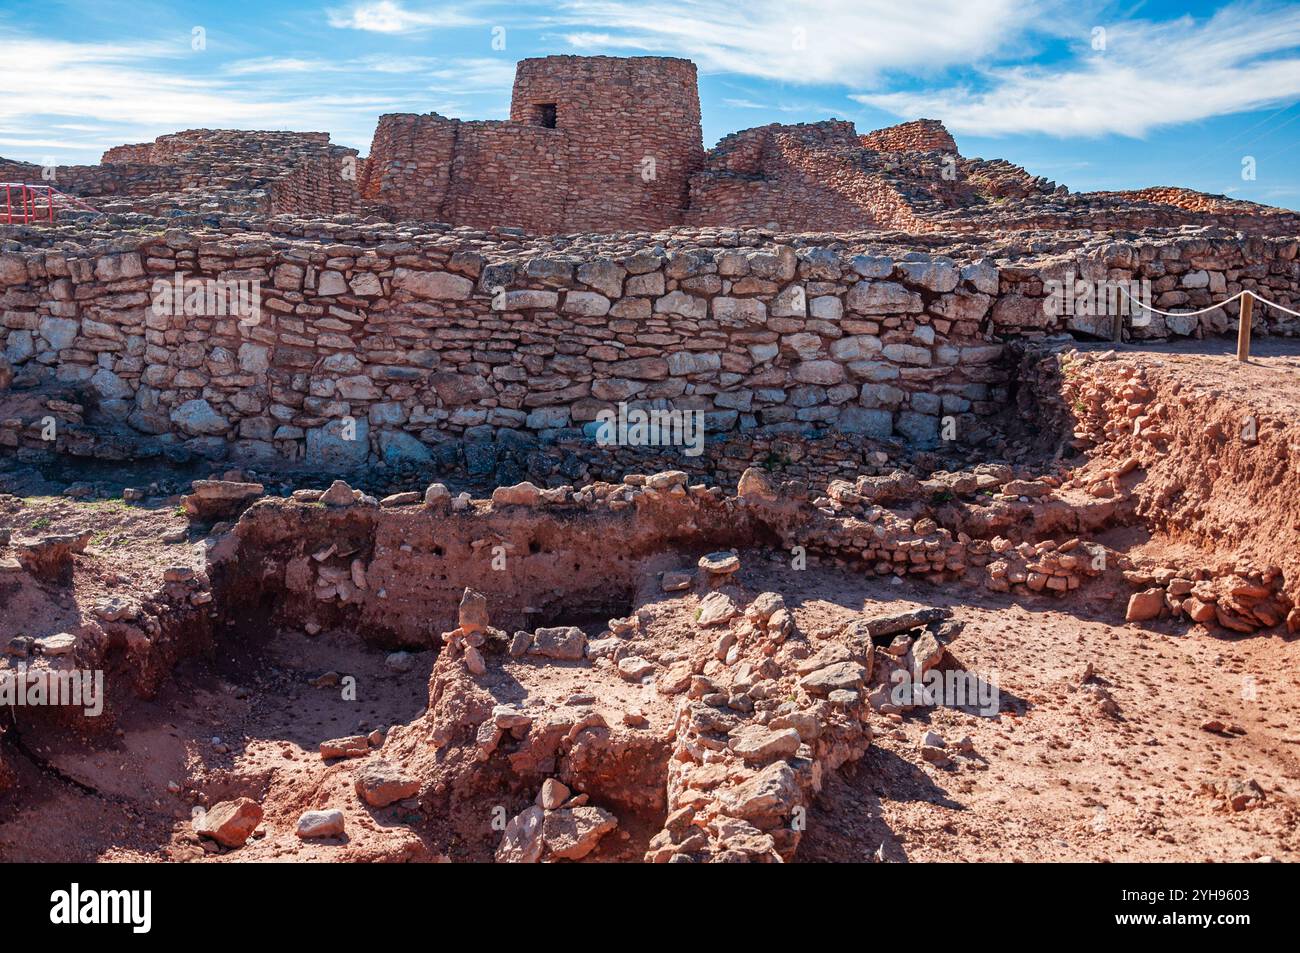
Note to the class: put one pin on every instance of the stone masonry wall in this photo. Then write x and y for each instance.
(415, 346)
(921, 135)
(487, 184)
(136, 152)
(813, 176)
(120, 179)
(626, 138)
(298, 171)
(631, 130)
(409, 166)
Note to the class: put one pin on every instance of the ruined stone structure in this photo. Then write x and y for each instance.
(922, 135)
(414, 342)
(606, 144)
(591, 141)
(231, 169)
(365, 445)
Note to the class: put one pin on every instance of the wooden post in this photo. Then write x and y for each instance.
(1117, 326)
(1243, 326)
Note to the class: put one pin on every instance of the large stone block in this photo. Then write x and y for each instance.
(197, 417)
(682, 363)
(397, 447)
(680, 303)
(751, 310)
(878, 424)
(59, 333)
(938, 274)
(586, 303)
(1018, 311)
(339, 444)
(883, 297)
(921, 430)
(819, 372)
(855, 348)
(438, 285)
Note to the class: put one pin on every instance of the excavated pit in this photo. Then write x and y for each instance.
(1105, 585)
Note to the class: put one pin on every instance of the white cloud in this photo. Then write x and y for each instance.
(1150, 75)
(844, 42)
(276, 64)
(388, 16)
(135, 92)
(375, 62)
(774, 107)
(476, 75)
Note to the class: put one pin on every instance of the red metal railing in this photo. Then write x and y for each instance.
(23, 205)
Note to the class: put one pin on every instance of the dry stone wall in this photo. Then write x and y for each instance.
(428, 352)
(289, 171)
(809, 176)
(921, 135)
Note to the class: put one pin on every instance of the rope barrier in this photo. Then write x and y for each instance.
(1178, 314)
(1274, 304)
(1213, 307)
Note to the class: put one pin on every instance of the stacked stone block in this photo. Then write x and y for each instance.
(409, 345)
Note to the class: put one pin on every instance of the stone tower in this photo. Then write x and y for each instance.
(631, 134)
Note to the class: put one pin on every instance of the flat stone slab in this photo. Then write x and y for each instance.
(720, 564)
(354, 746)
(62, 644)
(762, 744)
(846, 676)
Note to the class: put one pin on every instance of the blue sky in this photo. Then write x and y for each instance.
(1094, 95)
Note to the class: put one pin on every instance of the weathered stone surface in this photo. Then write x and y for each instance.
(553, 794)
(64, 643)
(521, 494)
(433, 284)
(338, 494)
(720, 563)
(574, 833)
(353, 746)
(883, 297)
(633, 668)
(840, 676)
(522, 842)
(560, 642)
(380, 783)
(773, 792)
(762, 744)
(339, 444)
(229, 823)
(473, 611)
(1145, 605)
(328, 823)
(717, 608)
(196, 417)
